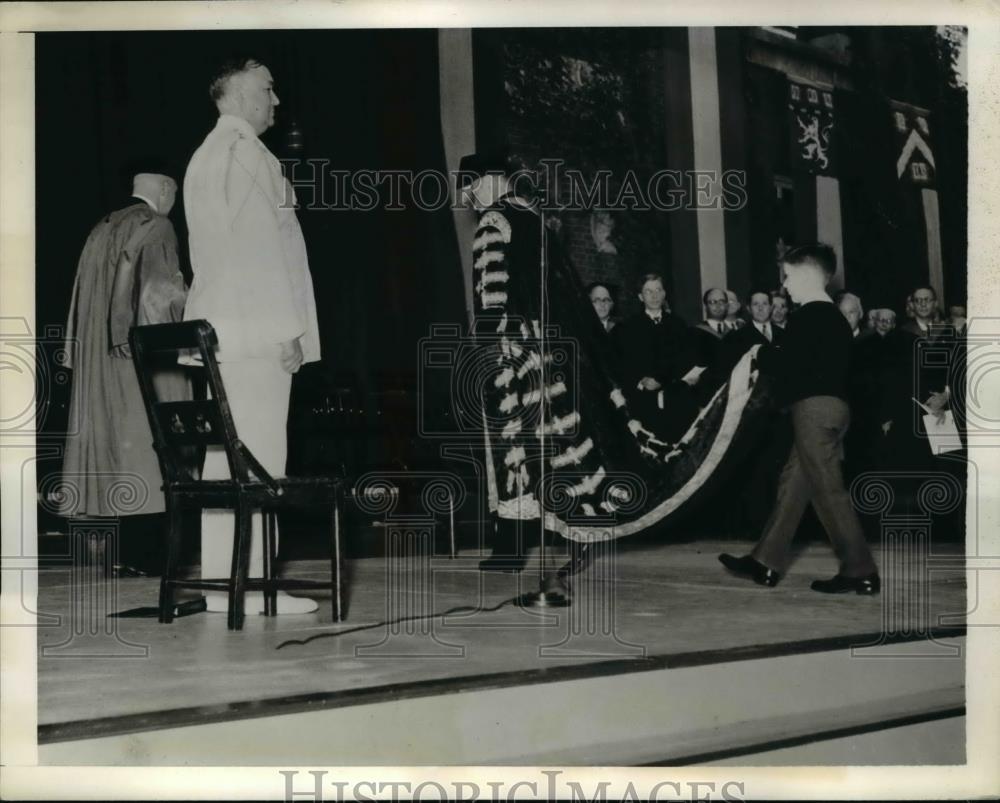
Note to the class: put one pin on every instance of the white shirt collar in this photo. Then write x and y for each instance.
(760, 326)
(148, 202)
(653, 317)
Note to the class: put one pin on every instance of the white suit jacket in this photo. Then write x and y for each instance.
(251, 273)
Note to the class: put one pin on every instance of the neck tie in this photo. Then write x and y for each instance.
(767, 332)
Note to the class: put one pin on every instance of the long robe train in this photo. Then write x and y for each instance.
(560, 438)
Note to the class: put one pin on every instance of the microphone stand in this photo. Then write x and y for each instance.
(552, 592)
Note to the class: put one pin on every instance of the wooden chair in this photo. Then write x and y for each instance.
(179, 425)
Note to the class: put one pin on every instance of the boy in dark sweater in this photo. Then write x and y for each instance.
(811, 371)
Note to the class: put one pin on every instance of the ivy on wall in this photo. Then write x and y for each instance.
(592, 99)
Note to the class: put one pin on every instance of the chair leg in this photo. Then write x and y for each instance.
(240, 566)
(338, 601)
(174, 533)
(270, 556)
(451, 525)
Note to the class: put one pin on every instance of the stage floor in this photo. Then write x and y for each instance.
(655, 606)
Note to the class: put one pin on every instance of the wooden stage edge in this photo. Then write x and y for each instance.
(320, 701)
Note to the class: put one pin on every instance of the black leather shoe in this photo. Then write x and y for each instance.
(511, 564)
(747, 566)
(839, 584)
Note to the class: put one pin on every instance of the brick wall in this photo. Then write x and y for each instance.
(594, 98)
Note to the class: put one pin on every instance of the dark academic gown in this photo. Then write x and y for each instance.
(666, 352)
(919, 363)
(708, 347)
(128, 275)
(908, 374)
(872, 367)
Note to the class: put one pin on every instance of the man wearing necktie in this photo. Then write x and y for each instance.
(780, 307)
(760, 331)
(748, 511)
(707, 337)
(603, 303)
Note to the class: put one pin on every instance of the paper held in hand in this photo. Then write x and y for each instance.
(942, 434)
(692, 376)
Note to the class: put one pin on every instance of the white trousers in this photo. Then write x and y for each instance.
(258, 393)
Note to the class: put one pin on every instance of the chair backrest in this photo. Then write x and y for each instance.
(178, 425)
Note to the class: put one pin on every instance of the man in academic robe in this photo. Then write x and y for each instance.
(252, 283)
(659, 364)
(128, 275)
(908, 377)
(922, 356)
(871, 369)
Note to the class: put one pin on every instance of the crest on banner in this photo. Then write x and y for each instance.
(811, 110)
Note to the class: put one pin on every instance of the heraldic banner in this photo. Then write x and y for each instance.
(914, 157)
(811, 135)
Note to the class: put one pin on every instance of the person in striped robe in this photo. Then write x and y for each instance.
(564, 450)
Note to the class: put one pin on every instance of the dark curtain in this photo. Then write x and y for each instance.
(362, 100)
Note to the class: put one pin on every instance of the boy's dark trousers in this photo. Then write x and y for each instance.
(813, 474)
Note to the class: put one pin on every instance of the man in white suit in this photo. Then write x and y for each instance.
(252, 283)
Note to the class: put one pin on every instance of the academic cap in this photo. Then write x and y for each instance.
(476, 165)
(148, 163)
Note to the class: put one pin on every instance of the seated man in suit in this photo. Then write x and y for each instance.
(747, 512)
(600, 296)
(851, 308)
(735, 314)
(883, 321)
(760, 330)
(958, 319)
(707, 338)
(657, 362)
(780, 307)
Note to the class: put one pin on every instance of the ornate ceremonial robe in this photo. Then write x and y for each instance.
(128, 275)
(561, 439)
